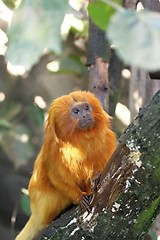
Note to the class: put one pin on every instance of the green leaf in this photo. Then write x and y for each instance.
(15, 143)
(136, 36)
(67, 65)
(4, 123)
(36, 114)
(25, 205)
(11, 3)
(35, 26)
(100, 13)
(10, 111)
(71, 65)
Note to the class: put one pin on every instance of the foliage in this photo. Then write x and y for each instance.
(15, 137)
(12, 3)
(71, 64)
(15, 143)
(31, 36)
(100, 13)
(140, 46)
(35, 26)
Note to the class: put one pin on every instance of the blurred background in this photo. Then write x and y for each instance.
(25, 94)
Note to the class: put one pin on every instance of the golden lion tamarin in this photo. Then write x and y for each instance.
(78, 143)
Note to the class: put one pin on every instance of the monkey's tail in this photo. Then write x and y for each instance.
(30, 230)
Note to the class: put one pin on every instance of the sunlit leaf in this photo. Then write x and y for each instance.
(100, 13)
(67, 65)
(15, 143)
(136, 36)
(11, 3)
(35, 26)
(71, 65)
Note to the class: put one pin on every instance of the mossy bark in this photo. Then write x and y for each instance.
(128, 194)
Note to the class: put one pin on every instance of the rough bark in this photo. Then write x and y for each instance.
(96, 44)
(128, 194)
(98, 81)
(104, 78)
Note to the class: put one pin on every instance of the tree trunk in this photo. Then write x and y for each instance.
(96, 62)
(114, 74)
(127, 199)
(142, 88)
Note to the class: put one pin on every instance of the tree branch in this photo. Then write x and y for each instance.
(96, 61)
(127, 199)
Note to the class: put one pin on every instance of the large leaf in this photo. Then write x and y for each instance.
(100, 13)
(35, 26)
(15, 143)
(136, 36)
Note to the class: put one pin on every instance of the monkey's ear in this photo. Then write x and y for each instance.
(50, 132)
(108, 118)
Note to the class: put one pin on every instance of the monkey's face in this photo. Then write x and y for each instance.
(76, 116)
(82, 112)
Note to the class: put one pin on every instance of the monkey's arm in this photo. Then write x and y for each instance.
(68, 186)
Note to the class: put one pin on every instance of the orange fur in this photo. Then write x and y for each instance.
(68, 160)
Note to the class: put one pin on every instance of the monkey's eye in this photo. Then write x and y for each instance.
(75, 110)
(86, 107)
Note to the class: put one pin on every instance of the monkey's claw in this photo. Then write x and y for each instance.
(85, 202)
